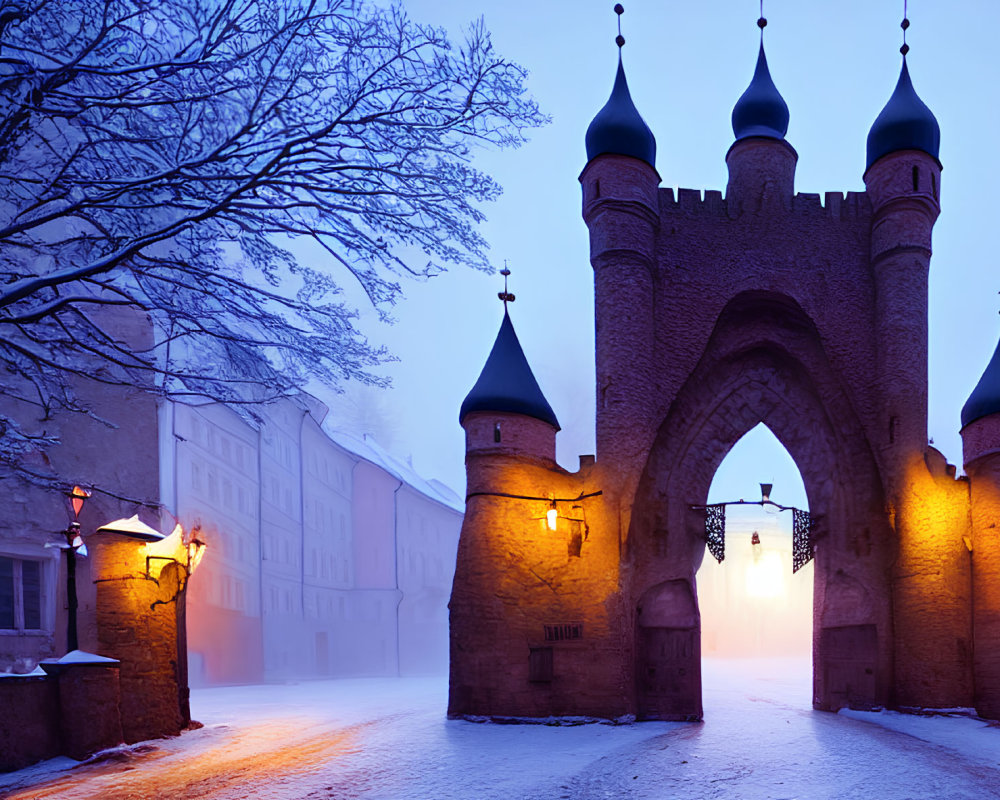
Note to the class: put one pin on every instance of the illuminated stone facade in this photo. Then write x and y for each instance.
(715, 313)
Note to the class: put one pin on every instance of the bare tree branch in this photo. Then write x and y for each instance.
(159, 160)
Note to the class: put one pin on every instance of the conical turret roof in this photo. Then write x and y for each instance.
(761, 110)
(507, 382)
(619, 129)
(985, 398)
(904, 124)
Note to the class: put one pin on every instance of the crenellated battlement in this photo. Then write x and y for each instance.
(712, 203)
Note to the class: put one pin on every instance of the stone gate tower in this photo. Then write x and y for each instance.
(575, 593)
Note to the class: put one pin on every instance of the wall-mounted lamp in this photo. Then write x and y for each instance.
(552, 513)
(196, 550)
(552, 516)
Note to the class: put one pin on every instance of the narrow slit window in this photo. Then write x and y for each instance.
(496, 432)
(916, 179)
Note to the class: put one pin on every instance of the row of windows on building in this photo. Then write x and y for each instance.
(239, 455)
(415, 564)
(239, 499)
(222, 493)
(334, 477)
(207, 436)
(233, 593)
(327, 566)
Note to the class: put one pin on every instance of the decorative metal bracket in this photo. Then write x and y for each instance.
(802, 538)
(715, 530)
(803, 527)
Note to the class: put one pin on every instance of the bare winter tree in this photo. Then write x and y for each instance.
(162, 157)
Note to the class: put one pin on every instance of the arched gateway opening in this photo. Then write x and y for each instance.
(764, 363)
(756, 603)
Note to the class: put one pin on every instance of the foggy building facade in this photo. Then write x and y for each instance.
(326, 556)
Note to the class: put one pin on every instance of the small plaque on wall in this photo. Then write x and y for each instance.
(564, 632)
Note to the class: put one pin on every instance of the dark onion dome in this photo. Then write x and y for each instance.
(761, 110)
(507, 383)
(904, 124)
(619, 129)
(985, 398)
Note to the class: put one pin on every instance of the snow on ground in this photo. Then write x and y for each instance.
(388, 739)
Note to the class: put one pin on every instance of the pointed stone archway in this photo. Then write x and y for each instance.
(765, 364)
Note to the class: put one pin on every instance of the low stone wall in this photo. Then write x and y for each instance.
(29, 729)
(73, 710)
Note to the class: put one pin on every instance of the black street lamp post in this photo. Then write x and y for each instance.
(73, 543)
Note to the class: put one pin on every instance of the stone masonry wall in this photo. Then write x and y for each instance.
(714, 314)
(137, 624)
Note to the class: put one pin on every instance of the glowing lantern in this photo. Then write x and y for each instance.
(765, 576)
(196, 549)
(77, 498)
(552, 516)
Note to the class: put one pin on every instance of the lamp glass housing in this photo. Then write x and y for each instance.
(552, 517)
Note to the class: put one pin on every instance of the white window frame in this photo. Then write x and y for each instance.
(48, 573)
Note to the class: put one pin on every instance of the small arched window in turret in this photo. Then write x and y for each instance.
(916, 179)
(496, 432)
(934, 186)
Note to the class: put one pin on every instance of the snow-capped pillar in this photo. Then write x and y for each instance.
(137, 594)
(89, 712)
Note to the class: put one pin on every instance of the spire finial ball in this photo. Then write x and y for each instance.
(619, 9)
(762, 23)
(904, 24)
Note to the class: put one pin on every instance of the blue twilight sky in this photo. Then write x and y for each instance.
(835, 63)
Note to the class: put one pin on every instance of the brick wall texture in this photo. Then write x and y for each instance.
(714, 314)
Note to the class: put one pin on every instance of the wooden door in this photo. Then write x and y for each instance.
(669, 678)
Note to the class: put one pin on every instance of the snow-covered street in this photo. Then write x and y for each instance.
(389, 739)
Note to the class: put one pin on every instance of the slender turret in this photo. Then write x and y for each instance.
(621, 210)
(761, 163)
(902, 178)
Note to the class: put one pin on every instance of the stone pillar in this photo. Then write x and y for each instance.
(137, 593)
(89, 709)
